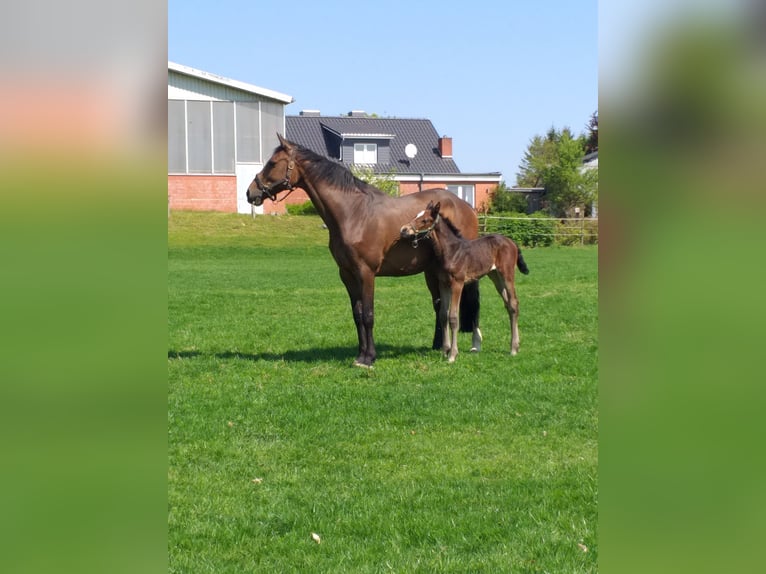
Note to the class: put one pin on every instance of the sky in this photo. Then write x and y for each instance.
(489, 74)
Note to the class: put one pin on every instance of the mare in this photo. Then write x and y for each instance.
(464, 261)
(363, 224)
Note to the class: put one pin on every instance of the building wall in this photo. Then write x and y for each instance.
(297, 196)
(219, 193)
(203, 192)
(482, 190)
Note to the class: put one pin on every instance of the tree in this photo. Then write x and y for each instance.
(555, 163)
(385, 182)
(591, 143)
(503, 199)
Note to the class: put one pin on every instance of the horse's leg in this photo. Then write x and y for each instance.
(504, 284)
(432, 282)
(362, 310)
(445, 296)
(469, 314)
(457, 289)
(368, 316)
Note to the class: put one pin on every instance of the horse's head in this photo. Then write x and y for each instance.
(279, 174)
(422, 224)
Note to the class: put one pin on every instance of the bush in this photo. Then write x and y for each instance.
(577, 232)
(535, 230)
(306, 208)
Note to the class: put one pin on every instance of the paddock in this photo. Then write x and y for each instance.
(488, 464)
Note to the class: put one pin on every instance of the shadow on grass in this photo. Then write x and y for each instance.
(303, 355)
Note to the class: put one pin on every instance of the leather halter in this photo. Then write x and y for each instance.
(425, 233)
(283, 184)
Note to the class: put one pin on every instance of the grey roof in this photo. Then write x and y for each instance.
(323, 134)
(220, 80)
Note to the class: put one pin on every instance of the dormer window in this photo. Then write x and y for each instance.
(366, 153)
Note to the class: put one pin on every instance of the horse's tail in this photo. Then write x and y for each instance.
(522, 265)
(469, 307)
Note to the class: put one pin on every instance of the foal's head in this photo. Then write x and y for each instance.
(423, 223)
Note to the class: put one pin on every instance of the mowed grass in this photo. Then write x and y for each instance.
(486, 465)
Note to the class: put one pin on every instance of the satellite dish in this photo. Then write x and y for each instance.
(410, 150)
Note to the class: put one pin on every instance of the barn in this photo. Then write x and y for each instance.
(220, 132)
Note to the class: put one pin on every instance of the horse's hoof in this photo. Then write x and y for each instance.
(451, 360)
(362, 365)
(474, 349)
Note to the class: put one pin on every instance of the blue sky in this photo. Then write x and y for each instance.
(489, 74)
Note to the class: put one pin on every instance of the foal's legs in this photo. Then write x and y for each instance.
(503, 281)
(456, 288)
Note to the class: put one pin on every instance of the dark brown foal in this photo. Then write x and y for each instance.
(463, 261)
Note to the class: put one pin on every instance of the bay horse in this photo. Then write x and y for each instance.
(363, 224)
(463, 261)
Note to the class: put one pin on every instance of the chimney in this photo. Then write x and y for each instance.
(310, 113)
(357, 114)
(445, 146)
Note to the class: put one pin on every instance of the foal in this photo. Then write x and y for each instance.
(463, 261)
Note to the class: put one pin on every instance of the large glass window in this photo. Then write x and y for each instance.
(248, 132)
(272, 122)
(198, 122)
(176, 136)
(366, 153)
(223, 137)
(208, 137)
(464, 192)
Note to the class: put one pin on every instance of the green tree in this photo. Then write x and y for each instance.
(591, 142)
(385, 182)
(503, 199)
(555, 163)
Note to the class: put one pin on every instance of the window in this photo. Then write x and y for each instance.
(206, 137)
(248, 132)
(272, 121)
(366, 153)
(176, 136)
(199, 132)
(464, 192)
(223, 137)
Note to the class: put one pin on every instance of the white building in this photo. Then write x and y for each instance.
(220, 133)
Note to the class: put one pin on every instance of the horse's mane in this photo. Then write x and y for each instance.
(331, 172)
(451, 226)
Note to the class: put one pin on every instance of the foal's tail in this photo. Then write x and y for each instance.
(522, 265)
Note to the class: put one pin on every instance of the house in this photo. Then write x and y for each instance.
(589, 162)
(410, 151)
(220, 133)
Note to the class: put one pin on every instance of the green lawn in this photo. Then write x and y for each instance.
(486, 465)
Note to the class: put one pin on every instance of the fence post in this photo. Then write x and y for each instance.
(580, 213)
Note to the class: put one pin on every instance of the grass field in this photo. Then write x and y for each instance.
(486, 465)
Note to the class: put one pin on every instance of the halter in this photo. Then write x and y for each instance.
(425, 233)
(284, 183)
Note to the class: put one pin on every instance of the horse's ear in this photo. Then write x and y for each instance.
(283, 142)
(435, 208)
